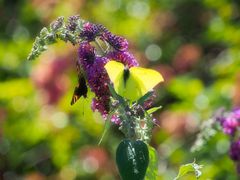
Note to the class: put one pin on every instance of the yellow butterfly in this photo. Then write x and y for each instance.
(132, 83)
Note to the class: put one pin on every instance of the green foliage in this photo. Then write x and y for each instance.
(136, 122)
(154, 109)
(189, 168)
(208, 129)
(152, 170)
(132, 159)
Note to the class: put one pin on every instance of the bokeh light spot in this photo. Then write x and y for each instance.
(68, 173)
(20, 33)
(201, 102)
(112, 5)
(138, 9)
(19, 104)
(153, 52)
(59, 119)
(90, 165)
(222, 146)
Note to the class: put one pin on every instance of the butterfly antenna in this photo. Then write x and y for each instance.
(156, 124)
(83, 108)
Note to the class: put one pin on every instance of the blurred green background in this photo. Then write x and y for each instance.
(194, 44)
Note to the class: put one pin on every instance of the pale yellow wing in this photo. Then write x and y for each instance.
(147, 78)
(114, 69)
(115, 72)
(129, 89)
(139, 82)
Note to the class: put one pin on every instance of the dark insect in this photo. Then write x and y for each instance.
(81, 88)
(126, 74)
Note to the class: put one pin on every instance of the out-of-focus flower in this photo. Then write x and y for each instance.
(236, 94)
(230, 125)
(177, 123)
(234, 153)
(95, 159)
(230, 122)
(186, 57)
(238, 167)
(50, 79)
(235, 150)
(236, 114)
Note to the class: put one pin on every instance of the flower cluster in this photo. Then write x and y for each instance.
(92, 63)
(235, 153)
(230, 123)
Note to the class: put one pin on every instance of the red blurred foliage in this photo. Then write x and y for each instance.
(236, 95)
(163, 21)
(100, 159)
(166, 71)
(49, 6)
(186, 57)
(34, 176)
(140, 57)
(3, 115)
(177, 124)
(51, 79)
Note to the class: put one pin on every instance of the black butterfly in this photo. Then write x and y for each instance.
(81, 88)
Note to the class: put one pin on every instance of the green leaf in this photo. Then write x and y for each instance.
(15, 87)
(144, 98)
(115, 95)
(152, 170)
(106, 127)
(189, 168)
(132, 159)
(154, 109)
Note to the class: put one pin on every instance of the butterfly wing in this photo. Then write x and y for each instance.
(131, 90)
(138, 83)
(81, 88)
(115, 72)
(146, 79)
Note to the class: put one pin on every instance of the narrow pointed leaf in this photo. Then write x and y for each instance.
(154, 109)
(152, 170)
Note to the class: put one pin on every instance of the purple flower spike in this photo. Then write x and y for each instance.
(91, 31)
(115, 119)
(235, 151)
(86, 55)
(124, 57)
(93, 64)
(117, 42)
(100, 105)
